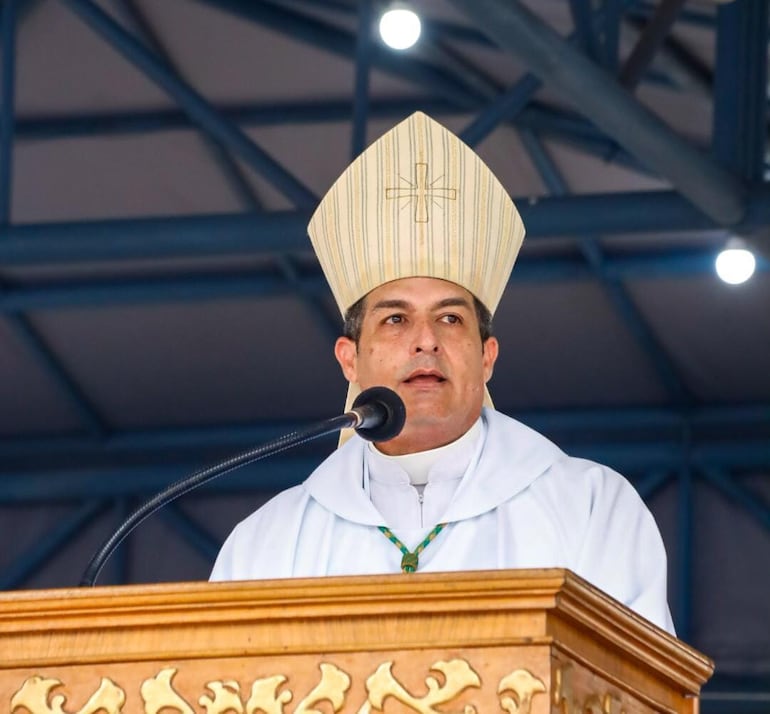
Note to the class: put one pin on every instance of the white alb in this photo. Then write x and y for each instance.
(514, 501)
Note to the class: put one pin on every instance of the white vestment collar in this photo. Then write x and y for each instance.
(442, 463)
(510, 457)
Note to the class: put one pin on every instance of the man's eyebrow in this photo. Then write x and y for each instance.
(390, 304)
(452, 302)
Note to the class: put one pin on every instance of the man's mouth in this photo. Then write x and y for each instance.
(425, 377)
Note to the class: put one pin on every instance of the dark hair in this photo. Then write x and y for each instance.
(354, 319)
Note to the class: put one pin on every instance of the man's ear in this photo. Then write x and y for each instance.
(491, 349)
(345, 351)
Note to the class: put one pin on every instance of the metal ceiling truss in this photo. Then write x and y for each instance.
(631, 440)
(516, 30)
(660, 448)
(7, 92)
(230, 170)
(19, 324)
(614, 289)
(566, 127)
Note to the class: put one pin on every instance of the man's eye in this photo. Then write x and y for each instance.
(451, 319)
(394, 319)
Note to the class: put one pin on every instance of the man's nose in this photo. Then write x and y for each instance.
(425, 338)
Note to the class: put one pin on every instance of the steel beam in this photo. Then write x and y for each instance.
(285, 231)
(505, 108)
(309, 292)
(282, 232)
(224, 286)
(199, 110)
(228, 168)
(740, 88)
(613, 13)
(736, 694)
(703, 19)
(27, 563)
(614, 289)
(582, 20)
(572, 129)
(716, 193)
(68, 387)
(42, 128)
(553, 123)
(361, 86)
(678, 61)
(192, 532)
(574, 428)
(137, 482)
(342, 43)
(434, 48)
(19, 324)
(220, 234)
(148, 291)
(509, 105)
(752, 503)
(7, 104)
(226, 164)
(48, 482)
(664, 419)
(432, 28)
(649, 42)
(651, 483)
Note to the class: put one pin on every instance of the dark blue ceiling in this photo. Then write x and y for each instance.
(157, 314)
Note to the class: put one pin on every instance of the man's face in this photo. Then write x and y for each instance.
(420, 337)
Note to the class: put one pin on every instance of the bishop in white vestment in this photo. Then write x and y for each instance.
(510, 498)
(417, 239)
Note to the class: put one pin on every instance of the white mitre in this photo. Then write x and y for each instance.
(417, 203)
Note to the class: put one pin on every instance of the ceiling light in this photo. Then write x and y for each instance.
(736, 263)
(399, 28)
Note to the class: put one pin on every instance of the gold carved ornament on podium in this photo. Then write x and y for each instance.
(565, 700)
(269, 695)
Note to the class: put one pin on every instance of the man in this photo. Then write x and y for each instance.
(417, 240)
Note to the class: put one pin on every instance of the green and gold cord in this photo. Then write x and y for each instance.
(411, 560)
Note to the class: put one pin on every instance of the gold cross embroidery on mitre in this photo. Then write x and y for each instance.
(422, 191)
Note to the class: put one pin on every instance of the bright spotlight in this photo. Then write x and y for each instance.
(400, 28)
(735, 264)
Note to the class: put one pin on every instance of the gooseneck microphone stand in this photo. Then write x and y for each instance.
(377, 415)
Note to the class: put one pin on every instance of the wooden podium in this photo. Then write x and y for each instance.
(472, 642)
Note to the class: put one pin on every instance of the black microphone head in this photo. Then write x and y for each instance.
(389, 411)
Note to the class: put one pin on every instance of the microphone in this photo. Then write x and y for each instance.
(378, 414)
